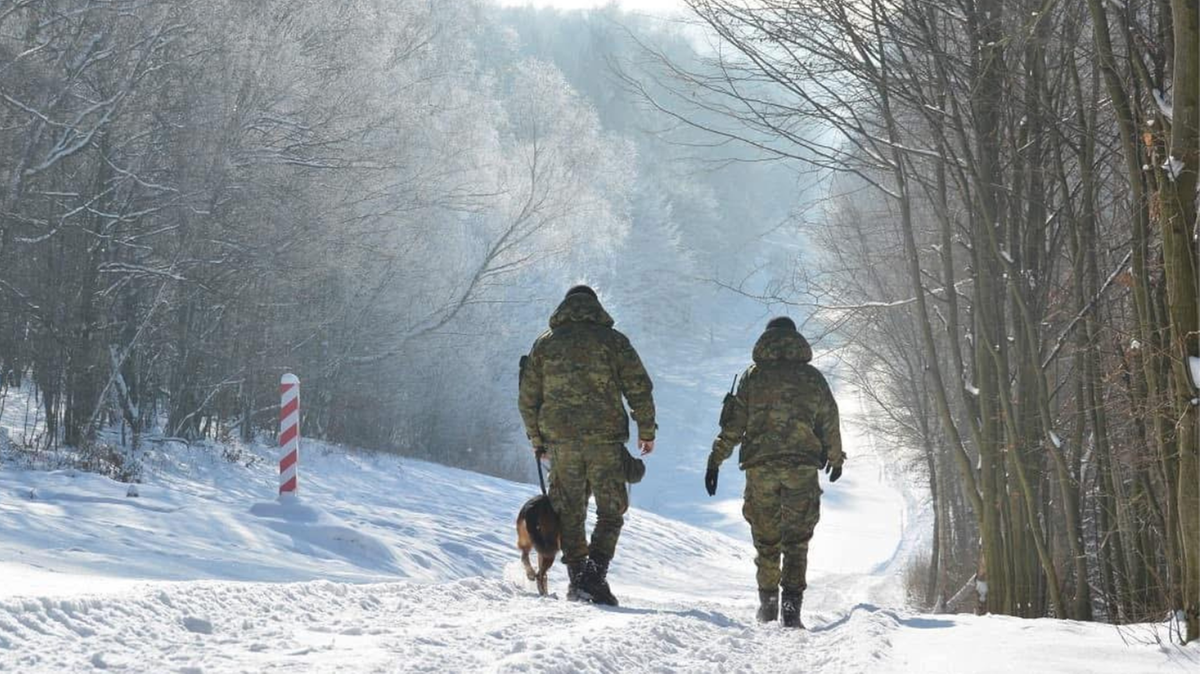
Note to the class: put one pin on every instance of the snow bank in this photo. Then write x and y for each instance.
(318, 534)
(360, 517)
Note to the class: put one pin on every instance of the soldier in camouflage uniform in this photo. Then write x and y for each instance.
(572, 385)
(786, 420)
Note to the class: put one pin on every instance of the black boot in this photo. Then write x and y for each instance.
(576, 577)
(601, 593)
(768, 606)
(791, 608)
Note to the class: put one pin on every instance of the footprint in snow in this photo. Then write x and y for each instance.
(197, 625)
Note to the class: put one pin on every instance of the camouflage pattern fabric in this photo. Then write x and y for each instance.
(784, 416)
(783, 506)
(577, 471)
(783, 410)
(573, 388)
(574, 378)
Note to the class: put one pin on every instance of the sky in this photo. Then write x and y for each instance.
(641, 5)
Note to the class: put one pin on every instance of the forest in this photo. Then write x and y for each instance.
(1007, 241)
(990, 209)
(381, 198)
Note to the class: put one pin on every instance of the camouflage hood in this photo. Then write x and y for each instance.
(580, 308)
(574, 379)
(783, 413)
(780, 345)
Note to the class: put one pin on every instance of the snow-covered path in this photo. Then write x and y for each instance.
(393, 565)
(475, 624)
(482, 624)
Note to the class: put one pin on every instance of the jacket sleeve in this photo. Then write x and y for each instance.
(636, 387)
(735, 415)
(828, 427)
(530, 397)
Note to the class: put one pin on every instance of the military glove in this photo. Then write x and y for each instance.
(710, 481)
(834, 472)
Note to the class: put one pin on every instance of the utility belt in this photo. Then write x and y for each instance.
(783, 460)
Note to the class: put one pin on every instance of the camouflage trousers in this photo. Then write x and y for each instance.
(783, 505)
(577, 473)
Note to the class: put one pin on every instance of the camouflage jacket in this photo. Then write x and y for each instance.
(575, 375)
(783, 410)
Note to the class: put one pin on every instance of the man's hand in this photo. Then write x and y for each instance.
(834, 472)
(539, 452)
(710, 481)
(646, 446)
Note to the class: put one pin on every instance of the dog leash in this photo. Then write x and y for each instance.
(537, 458)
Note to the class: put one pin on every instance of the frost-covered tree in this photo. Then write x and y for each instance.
(1030, 176)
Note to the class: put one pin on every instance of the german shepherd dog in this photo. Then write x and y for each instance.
(538, 528)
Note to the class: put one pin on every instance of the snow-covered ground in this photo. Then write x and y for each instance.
(394, 565)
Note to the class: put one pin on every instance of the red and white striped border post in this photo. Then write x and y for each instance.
(289, 433)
